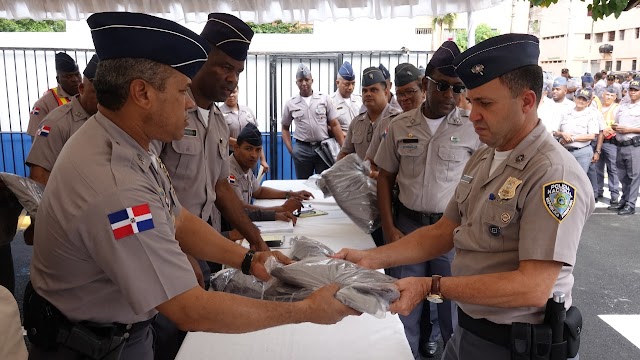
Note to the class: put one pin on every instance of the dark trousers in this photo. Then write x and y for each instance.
(596, 171)
(168, 338)
(628, 162)
(306, 160)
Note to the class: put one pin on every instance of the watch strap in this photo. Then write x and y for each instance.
(246, 262)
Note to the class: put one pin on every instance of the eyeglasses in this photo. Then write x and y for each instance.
(443, 86)
(370, 132)
(407, 94)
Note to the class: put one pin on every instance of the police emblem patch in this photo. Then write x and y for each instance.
(558, 198)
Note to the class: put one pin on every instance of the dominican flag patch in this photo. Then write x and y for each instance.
(131, 221)
(35, 111)
(232, 179)
(44, 131)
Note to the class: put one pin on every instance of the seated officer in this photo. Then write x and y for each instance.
(60, 124)
(116, 234)
(68, 78)
(246, 153)
(514, 248)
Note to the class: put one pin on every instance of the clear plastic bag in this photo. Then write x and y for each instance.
(302, 247)
(355, 192)
(27, 191)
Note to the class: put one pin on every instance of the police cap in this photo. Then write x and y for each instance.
(229, 34)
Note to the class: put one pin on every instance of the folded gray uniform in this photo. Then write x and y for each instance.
(354, 191)
(26, 191)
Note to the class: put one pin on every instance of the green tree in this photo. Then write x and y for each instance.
(28, 25)
(279, 27)
(483, 32)
(599, 8)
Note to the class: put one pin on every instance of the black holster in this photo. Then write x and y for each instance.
(48, 329)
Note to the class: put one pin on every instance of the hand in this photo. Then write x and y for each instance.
(374, 174)
(286, 216)
(259, 258)
(197, 270)
(323, 308)
(413, 290)
(395, 235)
(595, 157)
(301, 195)
(265, 166)
(621, 129)
(608, 132)
(567, 138)
(291, 205)
(359, 257)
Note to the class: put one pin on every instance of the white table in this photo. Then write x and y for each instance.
(362, 337)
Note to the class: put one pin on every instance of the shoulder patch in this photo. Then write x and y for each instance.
(44, 131)
(558, 198)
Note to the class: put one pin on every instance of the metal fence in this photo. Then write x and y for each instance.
(266, 84)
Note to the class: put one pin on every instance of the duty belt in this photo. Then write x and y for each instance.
(629, 142)
(499, 334)
(572, 149)
(311, 143)
(422, 218)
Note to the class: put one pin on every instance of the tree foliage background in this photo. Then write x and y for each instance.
(279, 27)
(28, 25)
(483, 32)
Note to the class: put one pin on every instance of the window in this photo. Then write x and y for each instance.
(607, 65)
(423, 31)
(621, 36)
(618, 65)
(633, 64)
(599, 37)
(587, 36)
(612, 35)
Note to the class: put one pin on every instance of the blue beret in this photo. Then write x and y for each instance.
(385, 72)
(495, 57)
(442, 59)
(559, 81)
(65, 63)
(90, 71)
(406, 73)
(371, 76)
(346, 71)
(634, 84)
(586, 93)
(118, 35)
(251, 135)
(303, 71)
(587, 78)
(229, 34)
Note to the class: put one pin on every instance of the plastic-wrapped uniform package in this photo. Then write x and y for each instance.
(355, 192)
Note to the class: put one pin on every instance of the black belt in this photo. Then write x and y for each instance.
(609, 141)
(499, 334)
(422, 218)
(629, 142)
(575, 149)
(310, 143)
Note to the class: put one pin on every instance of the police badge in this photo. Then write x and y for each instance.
(508, 189)
(477, 69)
(558, 198)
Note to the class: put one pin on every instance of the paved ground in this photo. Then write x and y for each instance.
(607, 283)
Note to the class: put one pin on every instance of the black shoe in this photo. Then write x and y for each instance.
(627, 210)
(617, 206)
(428, 349)
(613, 202)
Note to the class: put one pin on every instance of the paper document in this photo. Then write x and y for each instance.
(260, 174)
(271, 227)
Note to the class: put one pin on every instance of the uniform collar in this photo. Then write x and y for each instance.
(78, 113)
(299, 98)
(234, 165)
(523, 152)
(123, 145)
(452, 118)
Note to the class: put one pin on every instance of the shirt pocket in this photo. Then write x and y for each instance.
(499, 227)
(297, 115)
(451, 162)
(412, 155)
(188, 150)
(358, 136)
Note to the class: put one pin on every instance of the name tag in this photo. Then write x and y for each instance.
(190, 132)
(409, 140)
(466, 179)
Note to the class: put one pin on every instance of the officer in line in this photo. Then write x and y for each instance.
(600, 84)
(578, 128)
(314, 115)
(68, 78)
(627, 128)
(607, 151)
(514, 248)
(572, 84)
(115, 231)
(363, 127)
(611, 81)
(347, 103)
(391, 98)
(237, 117)
(587, 82)
(242, 179)
(558, 107)
(425, 150)
(58, 126)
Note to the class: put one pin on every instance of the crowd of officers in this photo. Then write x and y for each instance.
(146, 179)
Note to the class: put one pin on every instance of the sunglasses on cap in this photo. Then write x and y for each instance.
(443, 86)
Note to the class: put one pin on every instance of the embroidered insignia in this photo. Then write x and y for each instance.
(35, 111)
(505, 218)
(478, 69)
(232, 179)
(131, 220)
(44, 131)
(558, 198)
(370, 76)
(508, 189)
(384, 134)
(455, 139)
(520, 158)
(190, 132)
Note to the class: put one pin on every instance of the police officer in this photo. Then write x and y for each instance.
(115, 231)
(425, 150)
(58, 126)
(558, 107)
(241, 177)
(391, 98)
(313, 115)
(572, 84)
(68, 78)
(611, 81)
(579, 127)
(513, 246)
(347, 103)
(363, 127)
(627, 128)
(607, 150)
(409, 91)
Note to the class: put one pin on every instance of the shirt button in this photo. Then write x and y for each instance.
(129, 327)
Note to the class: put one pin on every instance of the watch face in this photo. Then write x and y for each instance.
(436, 299)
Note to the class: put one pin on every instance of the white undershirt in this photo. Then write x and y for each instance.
(498, 158)
(434, 124)
(307, 100)
(205, 115)
(154, 159)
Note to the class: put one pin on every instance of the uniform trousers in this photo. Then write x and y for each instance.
(596, 171)
(583, 156)
(306, 160)
(419, 320)
(628, 163)
(139, 346)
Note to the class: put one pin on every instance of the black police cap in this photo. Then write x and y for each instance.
(229, 34)
(65, 63)
(406, 73)
(90, 71)
(251, 135)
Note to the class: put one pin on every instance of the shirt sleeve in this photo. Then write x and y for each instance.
(45, 149)
(38, 113)
(347, 146)
(286, 115)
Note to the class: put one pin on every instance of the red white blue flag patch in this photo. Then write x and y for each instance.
(131, 221)
(35, 111)
(232, 179)
(44, 131)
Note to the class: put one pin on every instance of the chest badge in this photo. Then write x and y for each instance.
(508, 189)
(190, 132)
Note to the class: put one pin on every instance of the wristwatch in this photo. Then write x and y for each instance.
(246, 262)
(435, 296)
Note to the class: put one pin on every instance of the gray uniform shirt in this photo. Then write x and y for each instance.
(362, 132)
(347, 108)
(44, 106)
(583, 122)
(428, 165)
(60, 124)
(243, 183)
(532, 207)
(237, 121)
(95, 255)
(311, 121)
(380, 131)
(628, 115)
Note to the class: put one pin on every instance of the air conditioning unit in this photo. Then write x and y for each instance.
(605, 49)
